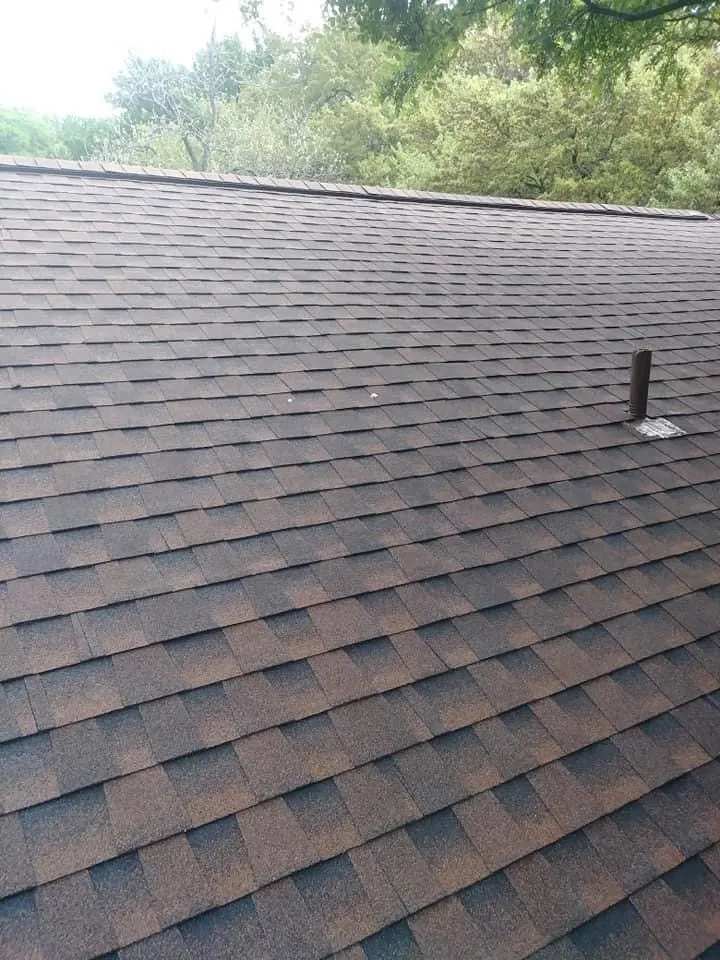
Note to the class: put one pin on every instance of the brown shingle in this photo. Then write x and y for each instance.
(210, 784)
(136, 822)
(125, 899)
(174, 879)
(274, 840)
(72, 921)
(508, 822)
(223, 858)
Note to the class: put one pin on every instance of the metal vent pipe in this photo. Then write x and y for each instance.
(639, 384)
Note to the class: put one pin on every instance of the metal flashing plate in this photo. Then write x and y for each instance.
(657, 428)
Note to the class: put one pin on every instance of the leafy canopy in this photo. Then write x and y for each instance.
(73, 138)
(301, 108)
(491, 124)
(571, 34)
(160, 97)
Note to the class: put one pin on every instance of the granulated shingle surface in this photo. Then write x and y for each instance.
(342, 615)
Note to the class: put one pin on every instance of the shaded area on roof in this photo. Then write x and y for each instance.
(341, 613)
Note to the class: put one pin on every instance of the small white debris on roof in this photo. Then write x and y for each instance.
(657, 429)
(290, 399)
(373, 396)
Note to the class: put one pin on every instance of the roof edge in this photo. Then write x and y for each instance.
(114, 171)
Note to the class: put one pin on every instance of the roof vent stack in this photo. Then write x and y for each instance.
(639, 384)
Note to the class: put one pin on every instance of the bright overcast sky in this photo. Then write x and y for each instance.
(59, 56)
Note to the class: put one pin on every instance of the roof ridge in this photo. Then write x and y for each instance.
(115, 171)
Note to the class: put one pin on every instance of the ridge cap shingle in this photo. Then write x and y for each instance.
(115, 171)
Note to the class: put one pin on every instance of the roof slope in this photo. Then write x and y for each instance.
(342, 614)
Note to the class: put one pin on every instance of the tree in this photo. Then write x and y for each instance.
(275, 141)
(84, 138)
(331, 85)
(24, 134)
(568, 33)
(307, 108)
(74, 138)
(508, 131)
(158, 98)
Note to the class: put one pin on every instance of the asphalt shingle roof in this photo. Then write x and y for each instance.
(341, 613)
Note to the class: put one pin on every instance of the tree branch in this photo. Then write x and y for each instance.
(636, 16)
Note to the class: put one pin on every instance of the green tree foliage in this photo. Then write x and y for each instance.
(569, 33)
(308, 108)
(27, 135)
(331, 88)
(84, 138)
(505, 130)
(74, 138)
(158, 98)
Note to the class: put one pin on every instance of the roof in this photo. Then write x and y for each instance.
(342, 614)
